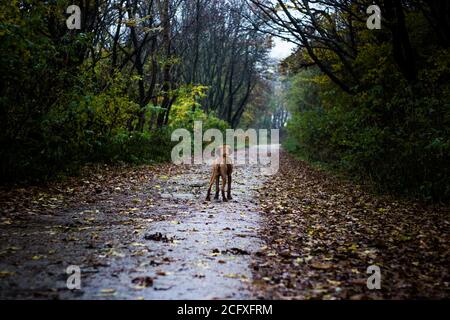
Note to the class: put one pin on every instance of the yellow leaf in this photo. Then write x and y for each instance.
(137, 244)
(322, 266)
(108, 291)
(6, 274)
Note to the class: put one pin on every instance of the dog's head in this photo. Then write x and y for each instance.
(224, 150)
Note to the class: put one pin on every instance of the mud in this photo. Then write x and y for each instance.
(179, 247)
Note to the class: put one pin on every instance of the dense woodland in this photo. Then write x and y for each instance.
(114, 89)
(375, 103)
(372, 103)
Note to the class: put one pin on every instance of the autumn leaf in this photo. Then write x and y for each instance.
(5, 273)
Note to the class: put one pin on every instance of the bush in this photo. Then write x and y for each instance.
(396, 139)
(138, 147)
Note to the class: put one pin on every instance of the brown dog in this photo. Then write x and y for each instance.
(222, 167)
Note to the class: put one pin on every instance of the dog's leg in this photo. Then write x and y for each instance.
(224, 182)
(211, 181)
(229, 172)
(217, 188)
(229, 187)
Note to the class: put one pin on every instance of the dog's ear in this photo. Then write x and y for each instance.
(228, 149)
(219, 151)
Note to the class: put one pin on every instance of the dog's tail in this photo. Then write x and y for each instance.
(213, 176)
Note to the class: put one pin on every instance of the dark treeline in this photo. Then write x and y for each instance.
(224, 52)
(372, 102)
(114, 89)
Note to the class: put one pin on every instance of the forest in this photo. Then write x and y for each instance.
(113, 90)
(373, 103)
(93, 206)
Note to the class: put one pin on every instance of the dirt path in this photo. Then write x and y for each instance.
(204, 252)
(322, 234)
(146, 233)
(149, 235)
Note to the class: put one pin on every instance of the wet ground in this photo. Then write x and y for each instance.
(147, 233)
(154, 239)
(203, 252)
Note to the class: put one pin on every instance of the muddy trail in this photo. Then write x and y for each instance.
(147, 233)
(135, 233)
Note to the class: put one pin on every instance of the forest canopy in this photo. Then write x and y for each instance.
(374, 103)
(114, 89)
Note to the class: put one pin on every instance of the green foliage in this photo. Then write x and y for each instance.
(82, 125)
(389, 134)
(138, 147)
(187, 109)
(57, 111)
